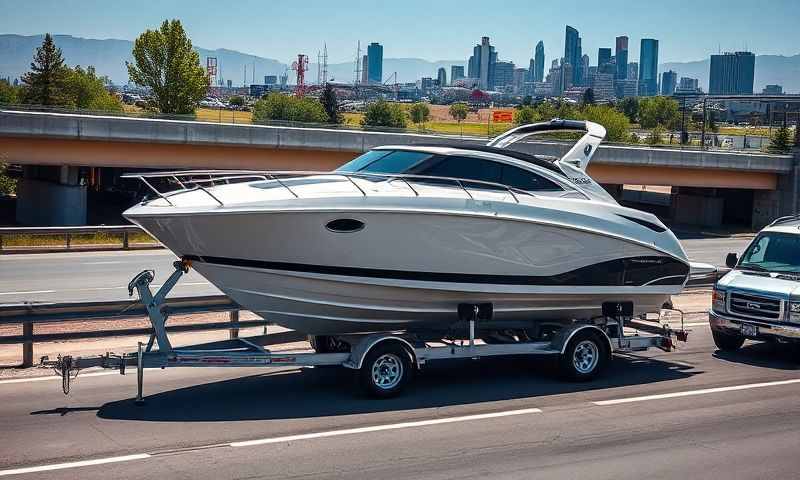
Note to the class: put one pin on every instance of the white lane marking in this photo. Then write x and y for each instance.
(110, 262)
(82, 463)
(54, 377)
(689, 393)
(28, 292)
(379, 428)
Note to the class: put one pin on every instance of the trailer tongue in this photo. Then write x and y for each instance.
(385, 361)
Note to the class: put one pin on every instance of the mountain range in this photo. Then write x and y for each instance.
(108, 56)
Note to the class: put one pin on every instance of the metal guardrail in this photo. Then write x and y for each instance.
(30, 314)
(67, 232)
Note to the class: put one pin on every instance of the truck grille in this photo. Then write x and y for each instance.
(754, 306)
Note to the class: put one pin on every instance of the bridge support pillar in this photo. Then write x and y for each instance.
(51, 196)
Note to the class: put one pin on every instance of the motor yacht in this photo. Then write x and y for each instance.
(401, 235)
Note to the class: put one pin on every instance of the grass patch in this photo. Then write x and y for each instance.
(100, 239)
(223, 116)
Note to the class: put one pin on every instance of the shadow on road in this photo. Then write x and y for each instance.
(329, 391)
(764, 354)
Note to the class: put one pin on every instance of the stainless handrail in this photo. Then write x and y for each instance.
(185, 178)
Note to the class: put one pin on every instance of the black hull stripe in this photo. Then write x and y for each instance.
(626, 272)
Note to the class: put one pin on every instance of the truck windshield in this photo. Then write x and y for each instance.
(773, 251)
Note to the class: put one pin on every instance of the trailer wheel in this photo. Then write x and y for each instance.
(584, 358)
(386, 370)
(727, 342)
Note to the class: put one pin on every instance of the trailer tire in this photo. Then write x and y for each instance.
(386, 370)
(585, 357)
(726, 341)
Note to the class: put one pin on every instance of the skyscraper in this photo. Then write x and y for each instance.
(538, 63)
(456, 73)
(365, 69)
(669, 80)
(648, 68)
(732, 74)
(572, 52)
(604, 61)
(503, 74)
(441, 75)
(584, 77)
(375, 64)
(482, 64)
(621, 56)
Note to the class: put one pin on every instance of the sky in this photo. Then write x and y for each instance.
(433, 30)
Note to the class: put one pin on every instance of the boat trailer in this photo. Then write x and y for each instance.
(385, 361)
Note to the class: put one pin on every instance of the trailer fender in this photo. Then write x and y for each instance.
(563, 337)
(362, 348)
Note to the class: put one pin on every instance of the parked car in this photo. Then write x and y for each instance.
(759, 299)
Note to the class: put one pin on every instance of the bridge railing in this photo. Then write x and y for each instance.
(28, 239)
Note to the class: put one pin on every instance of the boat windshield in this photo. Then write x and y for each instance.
(773, 252)
(384, 161)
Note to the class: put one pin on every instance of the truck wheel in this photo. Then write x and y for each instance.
(584, 358)
(386, 370)
(726, 341)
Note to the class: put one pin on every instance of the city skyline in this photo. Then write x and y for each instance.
(287, 35)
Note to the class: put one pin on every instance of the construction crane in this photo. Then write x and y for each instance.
(301, 67)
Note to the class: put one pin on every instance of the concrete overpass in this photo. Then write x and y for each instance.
(72, 140)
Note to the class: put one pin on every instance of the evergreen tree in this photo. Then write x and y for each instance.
(588, 97)
(331, 104)
(45, 83)
(781, 141)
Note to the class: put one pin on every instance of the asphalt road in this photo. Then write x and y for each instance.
(99, 276)
(694, 413)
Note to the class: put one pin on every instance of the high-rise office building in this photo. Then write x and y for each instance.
(669, 81)
(375, 57)
(772, 90)
(503, 74)
(633, 71)
(538, 63)
(520, 74)
(604, 64)
(584, 74)
(572, 53)
(441, 76)
(621, 56)
(732, 74)
(648, 68)
(456, 73)
(482, 64)
(365, 69)
(602, 85)
(688, 86)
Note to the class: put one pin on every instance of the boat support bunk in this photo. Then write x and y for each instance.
(385, 361)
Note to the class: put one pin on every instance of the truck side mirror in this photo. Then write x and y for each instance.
(731, 260)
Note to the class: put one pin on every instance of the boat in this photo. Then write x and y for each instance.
(399, 237)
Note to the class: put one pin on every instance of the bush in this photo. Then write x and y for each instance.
(615, 123)
(630, 107)
(656, 135)
(526, 115)
(277, 106)
(9, 94)
(384, 114)
(236, 101)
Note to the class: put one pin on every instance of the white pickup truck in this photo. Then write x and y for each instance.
(759, 299)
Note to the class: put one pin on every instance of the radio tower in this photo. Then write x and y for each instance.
(357, 72)
(324, 63)
(301, 67)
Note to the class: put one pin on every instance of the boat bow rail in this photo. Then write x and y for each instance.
(202, 180)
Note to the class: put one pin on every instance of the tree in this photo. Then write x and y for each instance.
(384, 114)
(781, 141)
(165, 61)
(588, 97)
(420, 113)
(527, 101)
(655, 111)
(9, 94)
(630, 107)
(236, 101)
(277, 106)
(526, 115)
(44, 84)
(615, 123)
(86, 90)
(331, 104)
(459, 113)
(656, 135)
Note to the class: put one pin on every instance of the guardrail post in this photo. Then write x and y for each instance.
(234, 316)
(69, 240)
(1, 242)
(125, 242)
(27, 346)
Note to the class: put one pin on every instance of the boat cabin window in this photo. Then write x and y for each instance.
(487, 171)
(384, 161)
